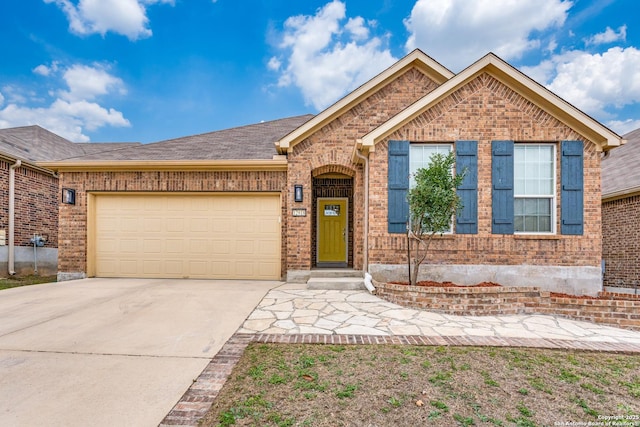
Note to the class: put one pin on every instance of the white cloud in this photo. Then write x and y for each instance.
(326, 58)
(86, 82)
(608, 36)
(622, 127)
(458, 32)
(73, 111)
(274, 64)
(593, 82)
(125, 17)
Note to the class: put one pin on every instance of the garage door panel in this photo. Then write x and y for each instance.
(199, 236)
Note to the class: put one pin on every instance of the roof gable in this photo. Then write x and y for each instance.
(416, 59)
(517, 81)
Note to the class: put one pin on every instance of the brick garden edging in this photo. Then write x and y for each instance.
(617, 310)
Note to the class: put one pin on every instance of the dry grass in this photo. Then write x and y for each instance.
(16, 281)
(329, 385)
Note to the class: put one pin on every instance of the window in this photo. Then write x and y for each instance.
(420, 156)
(534, 188)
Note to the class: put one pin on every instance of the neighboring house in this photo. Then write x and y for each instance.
(621, 216)
(30, 197)
(281, 198)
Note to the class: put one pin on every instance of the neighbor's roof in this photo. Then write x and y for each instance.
(36, 144)
(620, 171)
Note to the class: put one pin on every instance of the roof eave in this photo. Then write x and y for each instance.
(276, 164)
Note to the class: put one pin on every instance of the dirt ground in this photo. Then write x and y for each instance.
(328, 385)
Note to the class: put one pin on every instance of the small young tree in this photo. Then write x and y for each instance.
(432, 203)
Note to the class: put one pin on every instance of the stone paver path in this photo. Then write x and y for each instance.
(292, 309)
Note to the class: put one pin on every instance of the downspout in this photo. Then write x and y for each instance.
(365, 252)
(12, 207)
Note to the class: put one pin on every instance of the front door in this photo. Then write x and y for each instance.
(332, 231)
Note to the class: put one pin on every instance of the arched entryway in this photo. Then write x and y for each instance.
(332, 219)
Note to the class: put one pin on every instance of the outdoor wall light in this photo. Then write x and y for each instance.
(68, 196)
(297, 193)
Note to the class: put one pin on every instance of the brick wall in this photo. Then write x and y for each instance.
(330, 149)
(486, 110)
(36, 205)
(621, 242)
(483, 301)
(73, 218)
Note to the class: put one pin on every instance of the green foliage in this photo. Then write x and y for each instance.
(434, 200)
(432, 204)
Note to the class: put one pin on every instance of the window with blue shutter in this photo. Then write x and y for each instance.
(572, 182)
(502, 187)
(467, 161)
(398, 186)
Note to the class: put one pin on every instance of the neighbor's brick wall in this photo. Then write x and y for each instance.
(621, 242)
(72, 255)
(36, 205)
(330, 150)
(483, 301)
(486, 110)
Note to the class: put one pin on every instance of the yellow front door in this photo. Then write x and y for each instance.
(332, 230)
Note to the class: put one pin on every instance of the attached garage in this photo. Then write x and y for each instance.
(178, 235)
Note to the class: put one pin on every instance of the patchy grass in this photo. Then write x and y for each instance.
(16, 281)
(322, 385)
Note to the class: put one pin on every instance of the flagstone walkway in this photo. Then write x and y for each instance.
(293, 309)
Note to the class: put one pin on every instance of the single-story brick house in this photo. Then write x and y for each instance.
(621, 216)
(30, 197)
(278, 199)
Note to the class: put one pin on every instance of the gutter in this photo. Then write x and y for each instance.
(12, 208)
(365, 252)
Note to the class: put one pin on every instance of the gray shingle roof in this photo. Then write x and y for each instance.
(35, 144)
(251, 142)
(621, 169)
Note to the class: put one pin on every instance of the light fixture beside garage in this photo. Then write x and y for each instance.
(68, 196)
(297, 193)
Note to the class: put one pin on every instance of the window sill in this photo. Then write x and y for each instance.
(536, 236)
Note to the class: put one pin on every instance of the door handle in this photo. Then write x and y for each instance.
(344, 234)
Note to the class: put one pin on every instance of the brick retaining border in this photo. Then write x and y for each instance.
(617, 310)
(197, 401)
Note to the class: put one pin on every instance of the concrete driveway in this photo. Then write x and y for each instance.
(112, 352)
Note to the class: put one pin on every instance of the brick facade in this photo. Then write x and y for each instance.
(73, 218)
(621, 227)
(332, 146)
(486, 110)
(36, 205)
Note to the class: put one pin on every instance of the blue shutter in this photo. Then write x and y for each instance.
(398, 187)
(502, 187)
(467, 158)
(572, 181)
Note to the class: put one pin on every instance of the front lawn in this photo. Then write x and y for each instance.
(385, 385)
(16, 281)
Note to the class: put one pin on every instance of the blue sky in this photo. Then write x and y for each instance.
(149, 70)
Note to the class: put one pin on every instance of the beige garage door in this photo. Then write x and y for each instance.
(188, 236)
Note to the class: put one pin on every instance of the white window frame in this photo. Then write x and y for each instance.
(412, 170)
(553, 197)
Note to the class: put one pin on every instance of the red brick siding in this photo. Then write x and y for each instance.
(621, 242)
(484, 301)
(73, 218)
(36, 205)
(486, 110)
(330, 149)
